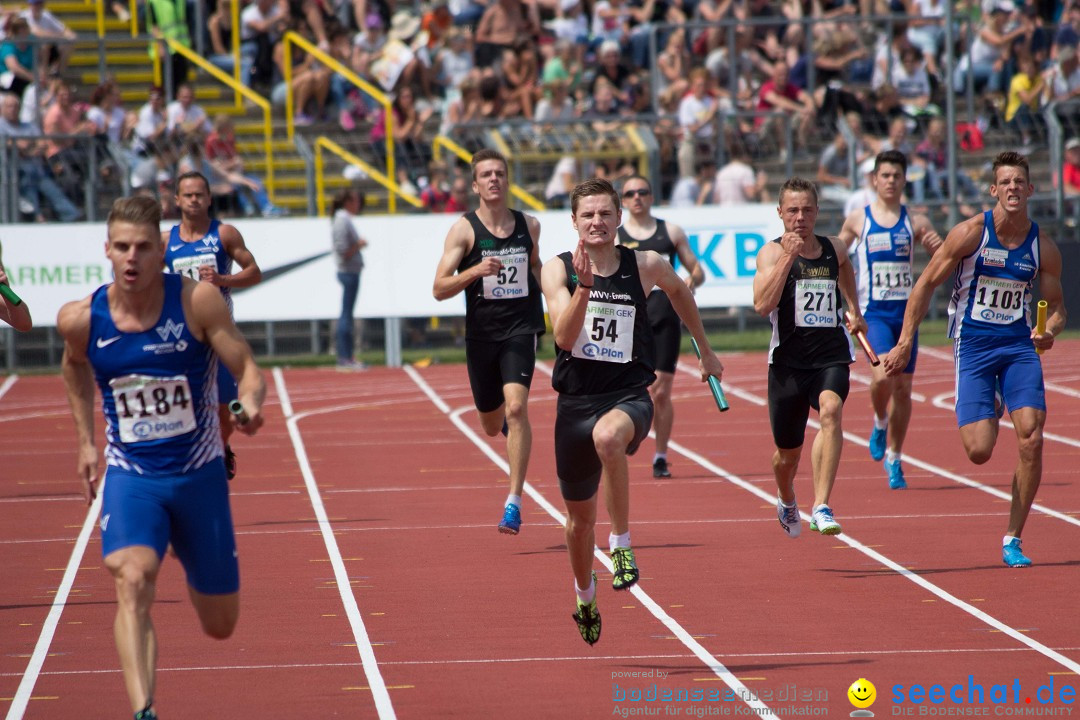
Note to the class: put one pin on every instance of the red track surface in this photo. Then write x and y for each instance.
(466, 622)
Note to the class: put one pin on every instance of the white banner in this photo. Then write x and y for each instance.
(52, 264)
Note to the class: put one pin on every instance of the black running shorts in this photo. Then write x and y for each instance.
(576, 461)
(791, 395)
(494, 364)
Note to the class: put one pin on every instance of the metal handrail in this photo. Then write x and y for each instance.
(364, 86)
(441, 141)
(216, 73)
(303, 149)
(322, 142)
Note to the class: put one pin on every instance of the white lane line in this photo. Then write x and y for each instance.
(741, 691)
(363, 643)
(909, 459)
(848, 540)
(947, 401)
(11, 380)
(48, 629)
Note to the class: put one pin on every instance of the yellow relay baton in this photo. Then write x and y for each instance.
(1040, 321)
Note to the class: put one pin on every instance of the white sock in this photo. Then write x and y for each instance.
(792, 504)
(880, 423)
(891, 456)
(586, 596)
(615, 541)
(1008, 539)
(818, 507)
(659, 456)
(513, 499)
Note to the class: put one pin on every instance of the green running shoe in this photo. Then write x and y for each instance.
(587, 618)
(626, 572)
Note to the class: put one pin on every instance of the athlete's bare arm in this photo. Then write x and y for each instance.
(73, 324)
(210, 322)
(961, 242)
(1050, 291)
(774, 262)
(656, 271)
(852, 228)
(846, 282)
(686, 256)
(535, 264)
(926, 234)
(249, 274)
(567, 311)
(448, 281)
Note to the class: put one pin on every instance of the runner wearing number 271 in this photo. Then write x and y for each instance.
(994, 258)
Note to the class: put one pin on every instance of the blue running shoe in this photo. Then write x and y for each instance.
(1013, 556)
(877, 444)
(896, 475)
(511, 520)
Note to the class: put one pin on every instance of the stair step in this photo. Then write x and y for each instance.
(301, 182)
(201, 93)
(124, 77)
(280, 163)
(90, 24)
(278, 146)
(71, 7)
(111, 59)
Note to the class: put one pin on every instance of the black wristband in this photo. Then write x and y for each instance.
(587, 287)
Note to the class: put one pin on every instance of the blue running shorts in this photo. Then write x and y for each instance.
(882, 333)
(190, 511)
(981, 361)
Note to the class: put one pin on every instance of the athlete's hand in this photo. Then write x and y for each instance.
(855, 322)
(489, 266)
(1042, 342)
(896, 360)
(88, 471)
(709, 364)
(252, 421)
(582, 265)
(792, 243)
(689, 280)
(932, 241)
(209, 274)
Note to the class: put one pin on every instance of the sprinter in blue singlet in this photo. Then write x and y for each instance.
(994, 259)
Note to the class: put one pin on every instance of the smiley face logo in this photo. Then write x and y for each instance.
(862, 693)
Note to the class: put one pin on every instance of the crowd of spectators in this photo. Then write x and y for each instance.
(737, 80)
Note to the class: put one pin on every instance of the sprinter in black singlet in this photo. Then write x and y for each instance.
(641, 231)
(800, 278)
(493, 254)
(604, 365)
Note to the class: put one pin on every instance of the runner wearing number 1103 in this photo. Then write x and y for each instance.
(994, 259)
(880, 238)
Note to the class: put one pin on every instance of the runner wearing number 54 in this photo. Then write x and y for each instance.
(880, 238)
(800, 278)
(994, 258)
(493, 255)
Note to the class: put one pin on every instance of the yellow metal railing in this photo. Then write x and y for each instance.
(263, 103)
(322, 143)
(441, 142)
(291, 38)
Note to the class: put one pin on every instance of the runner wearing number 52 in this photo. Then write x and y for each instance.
(493, 255)
(880, 238)
(800, 278)
(204, 249)
(994, 258)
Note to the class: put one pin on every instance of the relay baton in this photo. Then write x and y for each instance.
(10, 295)
(237, 409)
(861, 337)
(1040, 321)
(714, 384)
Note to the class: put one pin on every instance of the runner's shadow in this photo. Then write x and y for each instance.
(887, 572)
(695, 668)
(562, 548)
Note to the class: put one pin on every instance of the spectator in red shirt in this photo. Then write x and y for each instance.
(437, 193)
(779, 93)
(1070, 169)
(459, 196)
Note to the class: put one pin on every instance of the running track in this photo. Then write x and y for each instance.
(376, 586)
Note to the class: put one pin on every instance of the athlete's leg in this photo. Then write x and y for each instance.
(581, 538)
(1029, 437)
(785, 463)
(825, 454)
(134, 570)
(979, 439)
(225, 418)
(519, 433)
(882, 389)
(611, 435)
(217, 613)
(663, 410)
(900, 411)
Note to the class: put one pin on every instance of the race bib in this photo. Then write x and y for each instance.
(152, 408)
(190, 264)
(998, 300)
(512, 279)
(890, 281)
(815, 303)
(608, 333)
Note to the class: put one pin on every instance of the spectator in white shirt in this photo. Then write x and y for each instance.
(43, 24)
(151, 125)
(697, 119)
(737, 183)
(186, 119)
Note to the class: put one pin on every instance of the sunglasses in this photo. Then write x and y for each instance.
(643, 192)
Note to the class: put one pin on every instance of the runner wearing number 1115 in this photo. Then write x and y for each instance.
(880, 238)
(994, 259)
